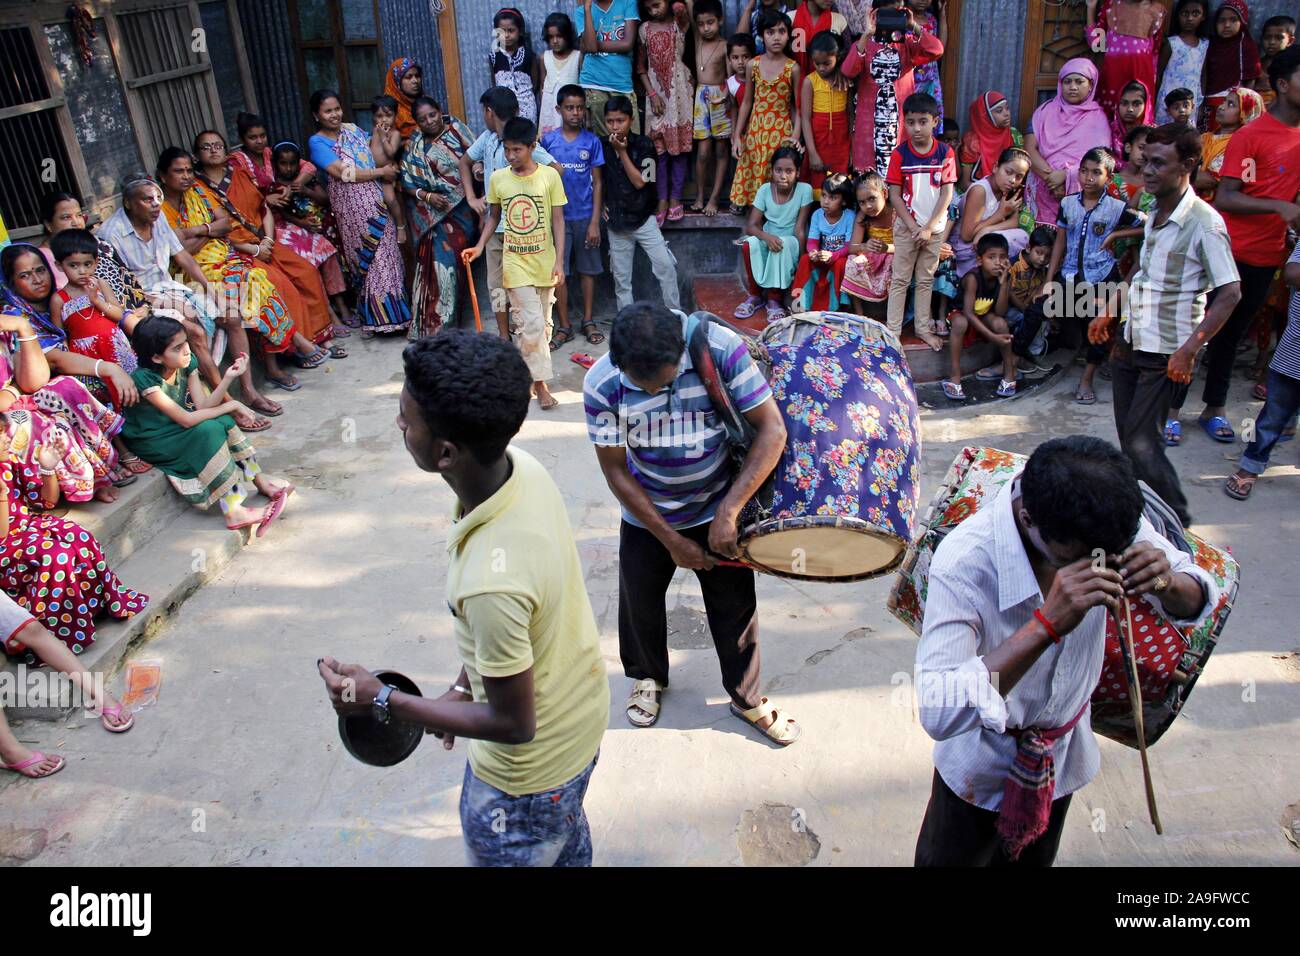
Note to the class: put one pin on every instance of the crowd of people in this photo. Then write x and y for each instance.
(858, 195)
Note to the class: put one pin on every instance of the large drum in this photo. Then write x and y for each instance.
(846, 491)
(1169, 660)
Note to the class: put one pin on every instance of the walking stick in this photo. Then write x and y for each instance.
(1129, 651)
(473, 293)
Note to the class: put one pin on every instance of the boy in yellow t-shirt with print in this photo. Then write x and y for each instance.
(525, 195)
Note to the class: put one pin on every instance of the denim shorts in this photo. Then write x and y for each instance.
(533, 829)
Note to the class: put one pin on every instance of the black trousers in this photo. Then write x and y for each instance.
(1221, 353)
(645, 569)
(957, 833)
(1142, 393)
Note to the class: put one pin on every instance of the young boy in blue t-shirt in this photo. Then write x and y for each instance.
(579, 154)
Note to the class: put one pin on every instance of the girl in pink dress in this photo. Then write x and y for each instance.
(1131, 33)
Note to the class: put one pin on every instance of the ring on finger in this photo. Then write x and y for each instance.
(1161, 583)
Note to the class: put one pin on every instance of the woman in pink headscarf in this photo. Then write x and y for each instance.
(1063, 129)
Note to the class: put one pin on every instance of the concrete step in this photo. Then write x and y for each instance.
(186, 552)
(721, 293)
(124, 527)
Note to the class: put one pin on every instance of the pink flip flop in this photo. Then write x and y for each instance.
(32, 761)
(272, 512)
(116, 712)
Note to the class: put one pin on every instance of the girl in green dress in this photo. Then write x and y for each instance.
(189, 433)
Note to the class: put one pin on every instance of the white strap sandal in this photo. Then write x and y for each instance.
(782, 730)
(643, 704)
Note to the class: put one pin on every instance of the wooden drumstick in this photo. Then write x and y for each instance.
(1129, 651)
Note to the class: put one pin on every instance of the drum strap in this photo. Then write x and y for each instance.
(740, 433)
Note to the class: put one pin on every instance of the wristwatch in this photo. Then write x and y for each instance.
(379, 706)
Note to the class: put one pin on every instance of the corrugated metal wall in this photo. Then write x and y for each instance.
(410, 29)
(991, 51)
(271, 59)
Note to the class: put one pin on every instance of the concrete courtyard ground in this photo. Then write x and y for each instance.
(240, 761)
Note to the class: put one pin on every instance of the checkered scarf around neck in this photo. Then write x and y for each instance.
(1027, 799)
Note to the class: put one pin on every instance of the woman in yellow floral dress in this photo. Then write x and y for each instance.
(768, 116)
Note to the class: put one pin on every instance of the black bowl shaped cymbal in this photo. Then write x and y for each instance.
(382, 745)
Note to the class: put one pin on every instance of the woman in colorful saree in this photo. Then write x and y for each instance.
(404, 82)
(203, 226)
(35, 406)
(232, 180)
(52, 567)
(369, 236)
(442, 219)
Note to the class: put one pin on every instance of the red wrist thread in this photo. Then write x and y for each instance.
(1047, 625)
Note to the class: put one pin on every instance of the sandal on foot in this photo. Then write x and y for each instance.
(1173, 432)
(315, 360)
(23, 766)
(782, 730)
(661, 217)
(595, 336)
(288, 384)
(775, 310)
(135, 464)
(1085, 396)
(250, 523)
(341, 332)
(953, 391)
(263, 406)
(1218, 428)
(116, 714)
(1008, 389)
(260, 424)
(645, 699)
(675, 213)
(122, 479)
(561, 337)
(1240, 486)
(272, 512)
(1260, 392)
(748, 307)
(337, 351)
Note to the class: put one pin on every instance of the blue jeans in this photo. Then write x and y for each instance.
(1277, 415)
(533, 829)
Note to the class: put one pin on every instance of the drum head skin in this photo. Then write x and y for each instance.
(382, 745)
(823, 550)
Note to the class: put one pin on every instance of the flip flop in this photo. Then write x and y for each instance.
(337, 351)
(1085, 396)
(953, 391)
(1260, 392)
(33, 760)
(583, 359)
(284, 491)
(291, 386)
(1173, 432)
(675, 213)
(123, 480)
(1216, 428)
(351, 322)
(272, 512)
(340, 333)
(259, 425)
(135, 464)
(269, 413)
(315, 360)
(116, 712)
(250, 523)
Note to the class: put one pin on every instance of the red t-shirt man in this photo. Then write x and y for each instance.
(1265, 155)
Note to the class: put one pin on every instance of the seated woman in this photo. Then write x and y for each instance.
(442, 220)
(60, 211)
(51, 566)
(40, 644)
(35, 406)
(202, 227)
(231, 179)
(189, 433)
(303, 222)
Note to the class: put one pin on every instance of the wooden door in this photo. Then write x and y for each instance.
(1054, 34)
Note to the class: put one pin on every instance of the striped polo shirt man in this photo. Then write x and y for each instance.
(676, 445)
(1182, 259)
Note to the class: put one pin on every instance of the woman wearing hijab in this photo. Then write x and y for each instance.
(404, 82)
(1062, 130)
(1232, 59)
(988, 134)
